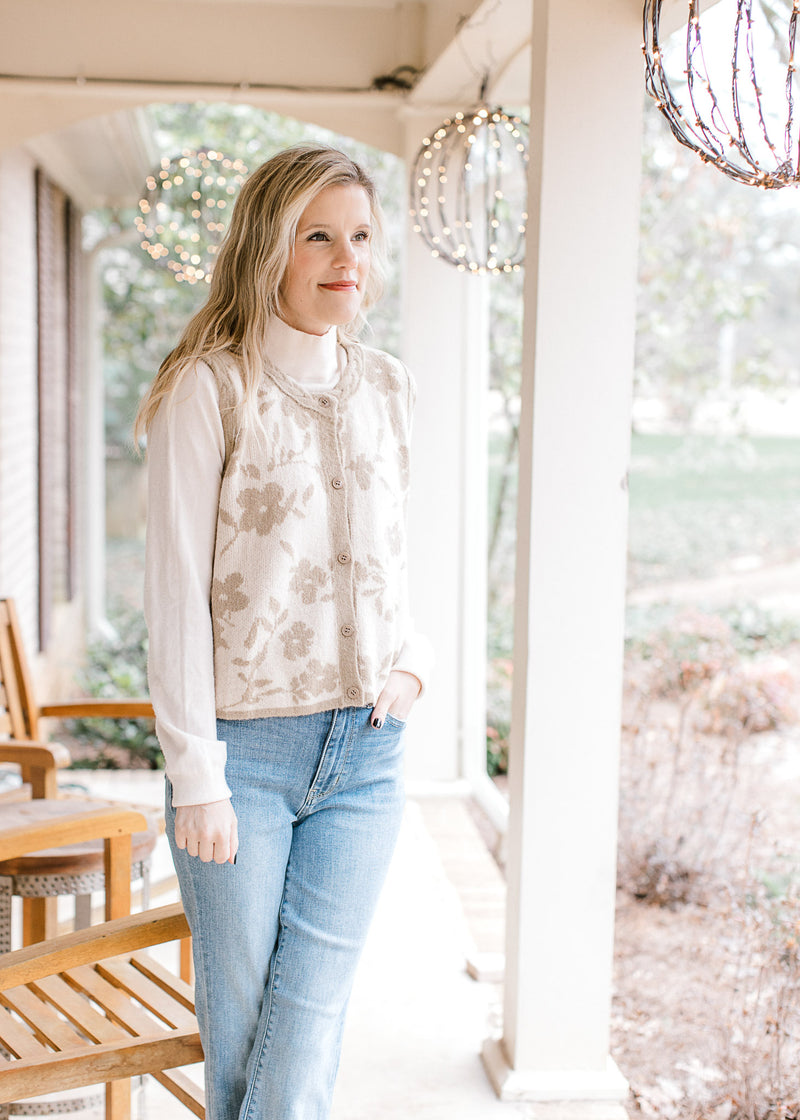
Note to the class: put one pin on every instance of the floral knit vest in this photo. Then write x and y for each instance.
(309, 592)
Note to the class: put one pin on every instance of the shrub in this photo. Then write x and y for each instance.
(762, 1036)
(498, 723)
(694, 697)
(117, 666)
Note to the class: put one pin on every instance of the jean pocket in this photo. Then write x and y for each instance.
(397, 722)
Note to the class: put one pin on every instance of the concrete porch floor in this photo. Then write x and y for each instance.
(416, 1020)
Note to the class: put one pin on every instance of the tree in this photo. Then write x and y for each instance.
(718, 273)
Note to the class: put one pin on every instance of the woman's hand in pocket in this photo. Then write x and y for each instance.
(397, 697)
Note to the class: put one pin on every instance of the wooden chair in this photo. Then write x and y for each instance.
(19, 711)
(40, 876)
(90, 1006)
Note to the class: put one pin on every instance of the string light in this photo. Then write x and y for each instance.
(185, 209)
(747, 155)
(468, 189)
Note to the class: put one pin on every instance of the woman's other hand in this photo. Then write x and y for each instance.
(208, 831)
(397, 697)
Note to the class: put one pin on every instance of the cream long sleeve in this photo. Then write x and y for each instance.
(186, 453)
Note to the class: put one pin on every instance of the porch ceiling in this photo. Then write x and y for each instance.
(63, 64)
(321, 61)
(101, 160)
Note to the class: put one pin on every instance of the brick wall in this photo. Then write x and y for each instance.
(19, 562)
(41, 343)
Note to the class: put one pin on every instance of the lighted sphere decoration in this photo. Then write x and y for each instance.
(185, 210)
(468, 191)
(709, 82)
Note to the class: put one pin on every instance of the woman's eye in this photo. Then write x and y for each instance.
(318, 236)
(362, 235)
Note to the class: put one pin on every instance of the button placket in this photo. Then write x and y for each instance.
(344, 561)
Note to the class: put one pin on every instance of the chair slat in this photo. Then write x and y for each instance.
(8, 674)
(182, 1087)
(177, 988)
(114, 1002)
(155, 999)
(110, 1061)
(42, 1019)
(78, 1010)
(18, 1039)
(112, 939)
(16, 675)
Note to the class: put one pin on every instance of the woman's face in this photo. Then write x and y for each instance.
(323, 285)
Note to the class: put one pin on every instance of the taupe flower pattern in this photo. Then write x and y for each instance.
(363, 468)
(265, 508)
(308, 580)
(319, 679)
(297, 641)
(228, 595)
(382, 376)
(228, 599)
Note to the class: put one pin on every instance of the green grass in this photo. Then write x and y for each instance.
(699, 503)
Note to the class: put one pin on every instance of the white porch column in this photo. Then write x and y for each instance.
(445, 345)
(93, 396)
(586, 103)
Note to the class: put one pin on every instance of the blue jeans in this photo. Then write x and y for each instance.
(277, 936)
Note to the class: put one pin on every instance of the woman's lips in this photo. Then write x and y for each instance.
(341, 286)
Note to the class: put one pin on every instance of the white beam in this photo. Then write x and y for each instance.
(445, 346)
(486, 42)
(30, 108)
(580, 288)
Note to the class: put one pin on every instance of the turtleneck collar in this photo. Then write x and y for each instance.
(308, 358)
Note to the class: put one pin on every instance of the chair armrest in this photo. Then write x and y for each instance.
(93, 708)
(68, 828)
(40, 756)
(124, 935)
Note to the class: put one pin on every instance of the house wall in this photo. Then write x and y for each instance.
(40, 437)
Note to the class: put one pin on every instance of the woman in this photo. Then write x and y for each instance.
(282, 663)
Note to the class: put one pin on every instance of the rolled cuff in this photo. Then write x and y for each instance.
(416, 657)
(195, 766)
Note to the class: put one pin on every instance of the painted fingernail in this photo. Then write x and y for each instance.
(234, 858)
(377, 723)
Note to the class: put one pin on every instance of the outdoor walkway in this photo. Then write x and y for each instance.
(416, 1019)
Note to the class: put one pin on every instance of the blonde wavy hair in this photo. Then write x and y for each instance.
(250, 265)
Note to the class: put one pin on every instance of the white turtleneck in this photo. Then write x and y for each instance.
(316, 361)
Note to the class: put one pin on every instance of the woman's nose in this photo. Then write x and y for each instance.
(345, 256)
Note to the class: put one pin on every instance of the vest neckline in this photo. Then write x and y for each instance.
(310, 399)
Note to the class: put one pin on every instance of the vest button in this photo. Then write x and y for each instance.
(324, 401)
(344, 557)
(337, 483)
(353, 693)
(347, 630)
